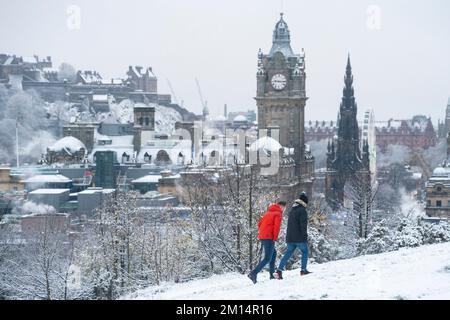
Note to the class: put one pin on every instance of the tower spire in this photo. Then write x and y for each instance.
(281, 39)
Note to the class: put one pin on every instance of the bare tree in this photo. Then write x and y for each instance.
(360, 193)
(226, 208)
(38, 267)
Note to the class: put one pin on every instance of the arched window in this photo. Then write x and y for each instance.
(125, 157)
(147, 121)
(162, 157)
(214, 158)
(141, 121)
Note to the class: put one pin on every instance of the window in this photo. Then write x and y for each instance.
(141, 121)
(125, 157)
(438, 203)
(147, 121)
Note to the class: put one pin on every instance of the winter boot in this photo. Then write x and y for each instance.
(279, 274)
(252, 277)
(304, 272)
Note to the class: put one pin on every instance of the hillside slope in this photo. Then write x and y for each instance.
(415, 273)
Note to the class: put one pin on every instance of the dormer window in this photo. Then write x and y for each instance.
(125, 157)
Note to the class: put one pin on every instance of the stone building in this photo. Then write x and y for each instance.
(417, 132)
(438, 189)
(37, 223)
(9, 182)
(68, 150)
(82, 131)
(144, 124)
(281, 98)
(438, 193)
(444, 127)
(142, 81)
(347, 164)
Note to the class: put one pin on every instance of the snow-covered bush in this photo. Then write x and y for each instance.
(435, 233)
(321, 249)
(408, 234)
(379, 240)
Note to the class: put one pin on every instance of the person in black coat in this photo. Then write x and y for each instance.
(296, 235)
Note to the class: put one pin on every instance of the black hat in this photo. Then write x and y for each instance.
(304, 197)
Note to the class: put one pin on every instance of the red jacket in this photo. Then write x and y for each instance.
(270, 223)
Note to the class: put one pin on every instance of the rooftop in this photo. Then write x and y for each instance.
(50, 191)
(48, 178)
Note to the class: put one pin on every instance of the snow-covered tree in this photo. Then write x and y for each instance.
(379, 240)
(67, 72)
(408, 234)
(38, 267)
(226, 209)
(435, 233)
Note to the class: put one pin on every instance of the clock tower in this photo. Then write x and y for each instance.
(280, 95)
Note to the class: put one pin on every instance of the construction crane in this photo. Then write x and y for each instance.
(204, 103)
(172, 91)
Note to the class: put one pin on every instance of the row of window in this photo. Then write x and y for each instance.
(438, 203)
(145, 120)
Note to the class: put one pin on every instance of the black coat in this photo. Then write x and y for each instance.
(297, 228)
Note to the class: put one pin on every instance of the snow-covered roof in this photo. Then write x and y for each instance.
(100, 97)
(119, 145)
(90, 76)
(172, 147)
(117, 81)
(48, 178)
(96, 190)
(266, 143)
(144, 105)
(441, 172)
(240, 118)
(50, 191)
(69, 144)
(221, 118)
(50, 69)
(148, 179)
(29, 59)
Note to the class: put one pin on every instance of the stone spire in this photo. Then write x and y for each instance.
(281, 40)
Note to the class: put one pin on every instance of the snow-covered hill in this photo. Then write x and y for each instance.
(165, 117)
(415, 273)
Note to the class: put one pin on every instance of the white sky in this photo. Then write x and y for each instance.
(400, 70)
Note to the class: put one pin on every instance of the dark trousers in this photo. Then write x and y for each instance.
(270, 254)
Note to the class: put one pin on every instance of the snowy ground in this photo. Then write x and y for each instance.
(417, 273)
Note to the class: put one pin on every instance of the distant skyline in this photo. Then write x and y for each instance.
(401, 61)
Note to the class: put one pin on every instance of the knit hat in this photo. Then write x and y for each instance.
(304, 197)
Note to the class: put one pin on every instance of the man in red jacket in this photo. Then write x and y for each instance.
(269, 229)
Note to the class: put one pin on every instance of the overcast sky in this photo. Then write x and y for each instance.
(400, 69)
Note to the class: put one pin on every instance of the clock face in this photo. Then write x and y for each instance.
(278, 82)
